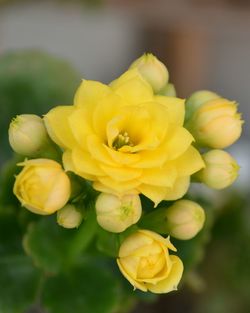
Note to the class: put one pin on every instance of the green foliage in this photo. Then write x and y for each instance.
(86, 288)
(7, 179)
(19, 279)
(54, 248)
(226, 268)
(32, 82)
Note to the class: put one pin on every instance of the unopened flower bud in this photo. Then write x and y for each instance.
(197, 99)
(184, 219)
(69, 217)
(117, 213)
(221, 169)
(152, 70)
(168, 91)
(42, 186)
(216, 124)
(28, 135)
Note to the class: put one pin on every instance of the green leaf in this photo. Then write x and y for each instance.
(108, 243)
(90, 288)
(7, 180)
(54, 248)
(19, 282)
(32, 82)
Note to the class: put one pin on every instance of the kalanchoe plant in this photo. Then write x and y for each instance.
(128, 141)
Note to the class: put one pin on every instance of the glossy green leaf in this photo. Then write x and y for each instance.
(90, 288)
(54, 248)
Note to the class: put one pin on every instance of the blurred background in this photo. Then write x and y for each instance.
(46, 47)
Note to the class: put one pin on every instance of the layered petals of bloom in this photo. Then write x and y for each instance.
(42, 186)
(145, 262)
(126, 139)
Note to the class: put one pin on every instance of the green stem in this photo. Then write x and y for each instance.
(155, 221)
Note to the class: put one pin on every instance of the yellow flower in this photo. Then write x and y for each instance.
(216, 123)
(145, 262)
(126, 139)
(42, 186)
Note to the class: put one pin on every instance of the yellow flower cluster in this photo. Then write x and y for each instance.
(126, 139)
(129, 138)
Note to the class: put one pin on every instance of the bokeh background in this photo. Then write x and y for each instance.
(46, 47)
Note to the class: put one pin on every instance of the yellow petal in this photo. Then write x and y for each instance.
(118, 187)
(97, 149)
(163, 241)
(154, 193)
(132, 281)
(175, 109)
(178, 190)
(69, 166)
(90, 92)
(79, 122)
(104, 111)
(150, 159)
(132, 87)
(178, 143)
(121, 157)
(134, 242)
(189, 162)
(159, 176)
(103, 188)
(67, 161)
(171, 282)
(84, 163)
(130, 264)
(57, 124)
(121, 174)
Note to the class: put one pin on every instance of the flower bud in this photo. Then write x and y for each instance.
(216, 124)
(221, 169)
(42, 186)
(197, 99)
(184, 219)
(69, 216)
(28, 135)
(168, 91)
(152, 70)
(117, 213)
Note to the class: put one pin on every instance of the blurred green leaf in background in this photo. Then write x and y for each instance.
(32, 82)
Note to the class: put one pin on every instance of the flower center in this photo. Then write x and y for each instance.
(121, 140)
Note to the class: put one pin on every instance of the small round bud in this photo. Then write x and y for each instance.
(216, 124)
(117, 213)
(69, 217)
(197, 99)
(28, 135)
(42, 186)
(221, 169)
(152, 70)
(168, 91)
(185, 219)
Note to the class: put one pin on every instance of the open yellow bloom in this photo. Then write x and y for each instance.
(126, 139)
(145, 261)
